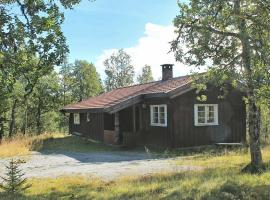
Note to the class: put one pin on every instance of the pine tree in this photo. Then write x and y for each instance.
(14, 183)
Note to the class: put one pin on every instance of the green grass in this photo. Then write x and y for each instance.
(221, 178)
(74, 144)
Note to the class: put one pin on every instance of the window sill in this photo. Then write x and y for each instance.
(207, 124)
(162, 125)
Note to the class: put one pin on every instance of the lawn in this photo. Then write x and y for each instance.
(220, 179)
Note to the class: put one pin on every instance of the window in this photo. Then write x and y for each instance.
(206, 114)
(76, 118)
(158, 115)
(88, 117)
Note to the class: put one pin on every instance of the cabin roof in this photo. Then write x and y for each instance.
(112, 100)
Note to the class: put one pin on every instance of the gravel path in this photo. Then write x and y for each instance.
(105, 165)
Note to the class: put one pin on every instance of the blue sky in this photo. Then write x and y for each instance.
(96, 29)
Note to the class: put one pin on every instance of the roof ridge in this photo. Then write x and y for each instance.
(160, 81)
(120, 94)
(140, 92)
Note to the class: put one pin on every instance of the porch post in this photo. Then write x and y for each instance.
(134, 118)
(116, 127)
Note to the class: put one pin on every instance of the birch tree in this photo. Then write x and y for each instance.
(232, 39)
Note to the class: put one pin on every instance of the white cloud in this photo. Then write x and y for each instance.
(151, 49)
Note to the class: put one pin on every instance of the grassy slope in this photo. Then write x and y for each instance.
(221, 179)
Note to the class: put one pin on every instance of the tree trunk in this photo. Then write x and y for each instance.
(12, 118)
(25, 120)
(253, 109)
(1, 128)
(254, 134)
(39, 117)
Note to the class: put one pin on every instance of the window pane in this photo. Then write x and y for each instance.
(155, 115)
(155, 109)
(211, 115)
(201, 120)
(76, 118)
(162, 109)
(201, 108)
(211, 108)
(162, 121)
(210, 120)
(162, 118)
(201, 114)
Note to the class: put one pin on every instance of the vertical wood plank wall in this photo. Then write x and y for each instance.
(231, 117)
(180, 130)
(93, 129)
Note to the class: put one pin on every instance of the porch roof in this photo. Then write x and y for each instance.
(115, 100)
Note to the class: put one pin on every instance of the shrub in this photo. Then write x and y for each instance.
(14, 184)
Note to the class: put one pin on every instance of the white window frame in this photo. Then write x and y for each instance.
(152, 115)
(76, 118)
(88, 118)
(196, 122)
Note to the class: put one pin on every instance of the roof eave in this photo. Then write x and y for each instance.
(81, 110)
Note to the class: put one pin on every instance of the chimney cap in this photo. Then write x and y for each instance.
(167, 65)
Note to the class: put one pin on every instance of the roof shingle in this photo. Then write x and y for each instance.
(119, 95)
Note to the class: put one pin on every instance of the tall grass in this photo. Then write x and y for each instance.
(24, 144)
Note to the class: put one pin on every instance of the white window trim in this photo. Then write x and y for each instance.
(196, 123)
(88, 117)
(152, 113)
(77, 122)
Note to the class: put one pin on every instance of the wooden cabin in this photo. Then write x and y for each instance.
(165, 113)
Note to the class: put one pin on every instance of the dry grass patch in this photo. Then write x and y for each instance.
(24, 144)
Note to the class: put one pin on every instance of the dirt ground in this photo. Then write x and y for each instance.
(104, 165)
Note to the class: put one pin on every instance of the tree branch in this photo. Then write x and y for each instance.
(213, 30)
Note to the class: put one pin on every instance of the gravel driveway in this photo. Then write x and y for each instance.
(104, 165)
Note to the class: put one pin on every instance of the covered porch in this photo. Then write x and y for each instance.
(124, 126)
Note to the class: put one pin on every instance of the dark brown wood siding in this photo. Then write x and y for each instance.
(154, 135)
(231, 118)
(92, 129)
(109, 121)
(180, 130)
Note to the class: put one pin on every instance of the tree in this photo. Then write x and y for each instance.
(65, 74)
(232, 38)
(119, 71)
(14, 183)
(86, 80)
(146, 75)
(32, 43)
(45, 98)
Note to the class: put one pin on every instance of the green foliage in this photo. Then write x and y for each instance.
(32, 43)
(86, 81)
(119, 70)
(232, 40)
(212, 34)
(146, 76)
(14, 183)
